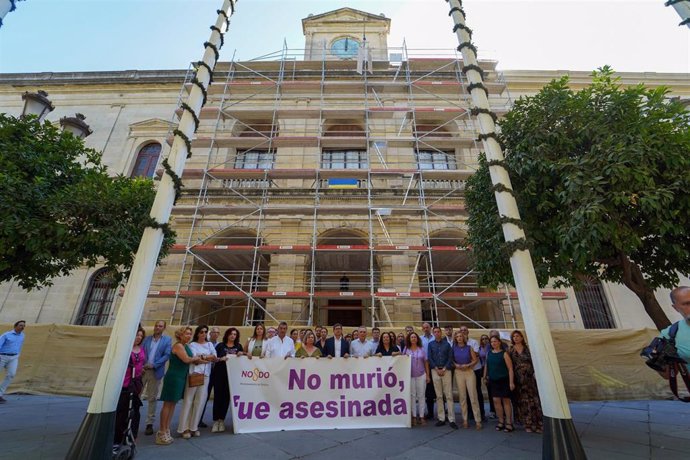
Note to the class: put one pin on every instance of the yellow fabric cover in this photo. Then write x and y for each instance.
(596, 364)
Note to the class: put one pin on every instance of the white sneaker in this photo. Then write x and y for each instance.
(216, 427)
(221, 425)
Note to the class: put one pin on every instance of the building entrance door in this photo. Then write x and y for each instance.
(345, 312)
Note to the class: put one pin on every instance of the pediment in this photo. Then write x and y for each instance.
(344, 15)
(151, 125)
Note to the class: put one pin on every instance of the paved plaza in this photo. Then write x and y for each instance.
(42, 427)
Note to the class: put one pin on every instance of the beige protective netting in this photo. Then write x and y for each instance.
(596, 365)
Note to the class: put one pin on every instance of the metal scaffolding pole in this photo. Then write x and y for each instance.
(560, 440)
(94, 438)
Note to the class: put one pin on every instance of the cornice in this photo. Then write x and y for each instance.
(90, 78)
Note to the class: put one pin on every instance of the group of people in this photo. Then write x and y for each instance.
(196, 365)
(448, 357)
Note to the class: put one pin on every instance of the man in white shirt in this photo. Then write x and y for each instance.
(375, 337)
(449, 334)
(426, 336)
(361, 348)
(280, 346)
(477, 371)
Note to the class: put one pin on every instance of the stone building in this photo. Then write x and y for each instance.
(326, 185)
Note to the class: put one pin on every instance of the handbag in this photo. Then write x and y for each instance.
(195, 380)
(136, 383)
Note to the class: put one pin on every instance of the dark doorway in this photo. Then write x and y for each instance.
(345, 312)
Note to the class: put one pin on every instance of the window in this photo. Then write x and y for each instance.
(344, 159)
(254, 159)
(99, 297)
(251, 159)
(434, 159)
(345, 131)
(434, 130)
(147, 159)
(265, 129)
(594, 307)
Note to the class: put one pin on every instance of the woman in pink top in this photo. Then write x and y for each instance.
(420, 377)
(131, 389)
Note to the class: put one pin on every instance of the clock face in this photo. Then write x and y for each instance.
(345, 47)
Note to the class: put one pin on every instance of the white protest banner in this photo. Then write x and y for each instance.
(306, 394)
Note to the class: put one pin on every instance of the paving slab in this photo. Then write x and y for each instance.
(43, 427)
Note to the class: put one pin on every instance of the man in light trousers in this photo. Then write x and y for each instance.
(440, 356)
(157, 348)
(11, 343)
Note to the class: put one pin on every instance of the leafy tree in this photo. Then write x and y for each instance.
(60, 210)
(602, 181)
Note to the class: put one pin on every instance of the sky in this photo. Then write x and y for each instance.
(88, 35)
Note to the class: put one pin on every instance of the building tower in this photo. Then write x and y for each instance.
(318, 193)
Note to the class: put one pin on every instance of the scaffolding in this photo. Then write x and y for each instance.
(317, 194)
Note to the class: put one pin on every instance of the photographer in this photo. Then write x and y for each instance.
(680, 300)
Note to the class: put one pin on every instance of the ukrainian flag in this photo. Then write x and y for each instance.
(343, 183)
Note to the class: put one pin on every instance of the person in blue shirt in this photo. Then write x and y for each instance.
(10, 346)
(680, 300)
(440, 356)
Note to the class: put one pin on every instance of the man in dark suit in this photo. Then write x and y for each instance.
(337, 346)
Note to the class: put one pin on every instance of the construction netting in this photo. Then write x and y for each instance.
(595, 364)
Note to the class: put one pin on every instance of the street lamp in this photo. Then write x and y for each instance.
(76, 125)
(36, 104)
(682, 7)
(6, 6)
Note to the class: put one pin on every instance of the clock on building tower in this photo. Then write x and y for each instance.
(345, 48)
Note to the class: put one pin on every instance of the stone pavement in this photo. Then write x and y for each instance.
(42, 427)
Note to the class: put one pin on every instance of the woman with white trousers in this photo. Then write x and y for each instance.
(195, 397)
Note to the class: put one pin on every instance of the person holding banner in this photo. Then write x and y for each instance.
(420, 377)
(441, 361)
(280, 346)
(361, 348)
(387, 346)
(337, 346)
(230, 346)
(308, 348)
(256, 342)
(195, 395)
(175, 381)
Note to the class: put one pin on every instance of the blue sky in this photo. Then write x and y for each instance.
(83, 35)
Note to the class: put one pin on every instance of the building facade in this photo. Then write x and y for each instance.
(326, 185)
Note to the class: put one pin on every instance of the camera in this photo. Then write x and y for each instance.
(660, 353)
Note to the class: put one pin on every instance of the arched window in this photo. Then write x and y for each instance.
(265, 128)
(147, 159)
(95, 309)
(345, 130)
(432, 130)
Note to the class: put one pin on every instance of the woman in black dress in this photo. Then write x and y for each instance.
(228, 348)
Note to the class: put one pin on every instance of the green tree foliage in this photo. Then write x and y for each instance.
(60, 210)
(602, 181)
